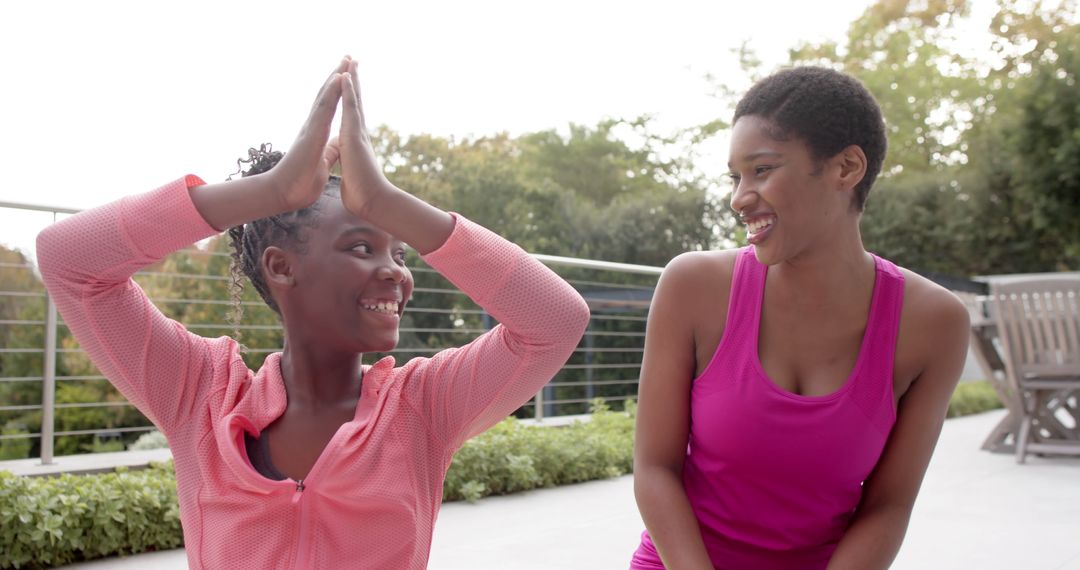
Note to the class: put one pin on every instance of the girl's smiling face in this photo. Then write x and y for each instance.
(349, 285)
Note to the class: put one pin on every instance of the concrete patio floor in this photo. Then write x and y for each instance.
(977, 510)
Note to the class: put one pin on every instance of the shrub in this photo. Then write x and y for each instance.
(973, 398)
(99, 445)
(513, 457)
(54, 521)
(14, 448)
(149, 440)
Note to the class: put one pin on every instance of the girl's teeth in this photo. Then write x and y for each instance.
(388, 308)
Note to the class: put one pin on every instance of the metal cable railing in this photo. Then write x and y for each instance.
(40, 361)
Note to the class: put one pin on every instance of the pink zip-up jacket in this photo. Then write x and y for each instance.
(371, 499)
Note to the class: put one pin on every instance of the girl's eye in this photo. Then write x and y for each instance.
(400, 256)
(759, 170)
(362, 248)
(735, 178)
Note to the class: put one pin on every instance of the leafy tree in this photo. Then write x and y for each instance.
(1044, 143)
(588, 194)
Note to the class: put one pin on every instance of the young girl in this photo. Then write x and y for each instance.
(792, 391)
(314, 461)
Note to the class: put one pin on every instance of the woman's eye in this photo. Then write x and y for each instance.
(362, 248)
(735, 178)
(759, 170)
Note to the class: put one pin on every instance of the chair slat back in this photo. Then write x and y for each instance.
(1039, 326)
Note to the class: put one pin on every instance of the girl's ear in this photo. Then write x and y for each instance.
(277, 266)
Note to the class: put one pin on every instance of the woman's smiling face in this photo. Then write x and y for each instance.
(781, 190)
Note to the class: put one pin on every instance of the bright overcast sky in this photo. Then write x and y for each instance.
(101, 101)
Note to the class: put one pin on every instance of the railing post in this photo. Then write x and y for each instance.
(48, 385)
(539, 400)
(48, 388)
(590, 391)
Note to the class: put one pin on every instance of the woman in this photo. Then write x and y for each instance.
(792, 391)
(314, 461)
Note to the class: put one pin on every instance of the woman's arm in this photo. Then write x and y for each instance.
(877, 530)
(663, 417)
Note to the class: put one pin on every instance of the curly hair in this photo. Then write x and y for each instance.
(827, 109)
(248, 241)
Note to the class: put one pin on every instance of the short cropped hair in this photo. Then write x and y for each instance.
(827, 109)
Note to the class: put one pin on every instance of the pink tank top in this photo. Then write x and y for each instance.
(774, 477)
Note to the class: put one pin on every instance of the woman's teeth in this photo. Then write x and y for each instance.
(759, 225)
(390, 307)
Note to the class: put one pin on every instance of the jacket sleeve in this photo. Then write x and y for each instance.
(87, 261)
(541, 318)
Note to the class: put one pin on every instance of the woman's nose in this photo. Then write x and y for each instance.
(741, 197)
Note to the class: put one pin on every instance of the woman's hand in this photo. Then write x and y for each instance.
(363, 180)
(300, 177)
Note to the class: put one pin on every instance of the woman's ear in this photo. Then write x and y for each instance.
(277, 266)
(852, 163)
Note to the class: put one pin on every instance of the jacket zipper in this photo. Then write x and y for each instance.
(302, 546)
(302, 543)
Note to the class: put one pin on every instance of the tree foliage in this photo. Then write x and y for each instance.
(586, 194)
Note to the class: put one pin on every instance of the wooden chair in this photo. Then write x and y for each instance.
(1038, 323)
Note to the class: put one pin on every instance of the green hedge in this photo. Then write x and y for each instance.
(513, 457)
(53, 521)
(973, 398)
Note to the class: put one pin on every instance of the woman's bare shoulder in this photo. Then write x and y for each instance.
(933, 319)
(928, 303)
(702, 268)
(697, 281)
